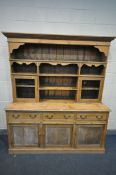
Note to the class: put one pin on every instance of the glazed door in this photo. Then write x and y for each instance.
(91, 89)
(25, 88)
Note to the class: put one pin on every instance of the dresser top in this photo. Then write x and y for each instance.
(59, 37)
(52, 106)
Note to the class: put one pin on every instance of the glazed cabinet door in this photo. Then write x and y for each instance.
(58, 135)
(91, 89)
(25, 135)
(25, 88)
(90, 135)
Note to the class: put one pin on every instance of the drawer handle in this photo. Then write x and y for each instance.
(16, 116)
(99, 116)
(83, 116)
(67, 116)
(49, 116)
(32, 116)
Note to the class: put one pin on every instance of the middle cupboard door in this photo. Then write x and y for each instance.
(58, 135)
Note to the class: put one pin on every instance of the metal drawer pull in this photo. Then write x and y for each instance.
(99, 116)
(67, 116)
(83, 116)
(16, 116)
(49, 116)
(33, 116)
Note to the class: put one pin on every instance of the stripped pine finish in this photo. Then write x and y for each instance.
(57, 85)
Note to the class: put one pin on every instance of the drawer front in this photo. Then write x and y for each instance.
(23, 117)
(91, 116)
(57, 116)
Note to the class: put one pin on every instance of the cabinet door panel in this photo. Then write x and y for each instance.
(25, 135)
(18, 135)
(91, 89)
(89, 135)
(30, 135)
(58, 135)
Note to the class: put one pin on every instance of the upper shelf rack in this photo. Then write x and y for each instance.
(57, 53)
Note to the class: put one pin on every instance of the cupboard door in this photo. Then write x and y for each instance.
(89, 135)
(91, 89)
(25, 135)
(58, 135)
(25, 88)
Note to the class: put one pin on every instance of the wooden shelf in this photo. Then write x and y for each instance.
(57, 61)
(91, 75)
(25, 85)
(57, 88)
(58, 101)
(58, 75)
(90, 88)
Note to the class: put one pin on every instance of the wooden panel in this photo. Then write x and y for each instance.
(58, 135)
(18, 135)
(30, 135)
(25, 135)
(89, 135)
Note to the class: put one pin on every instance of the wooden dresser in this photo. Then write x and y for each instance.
(57, 83)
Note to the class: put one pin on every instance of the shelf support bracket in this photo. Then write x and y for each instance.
(103, 49)
(13, 46)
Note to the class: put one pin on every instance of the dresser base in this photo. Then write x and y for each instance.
(54, 151)
(78, 128)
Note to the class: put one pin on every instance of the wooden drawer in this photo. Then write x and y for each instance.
(23, 117)
(59, 117)
(91, 116)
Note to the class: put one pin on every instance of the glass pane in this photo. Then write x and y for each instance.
(91, 83)
(25, 81)
(89, 94)
(25, 92)
(57, 136)
(89, 134)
